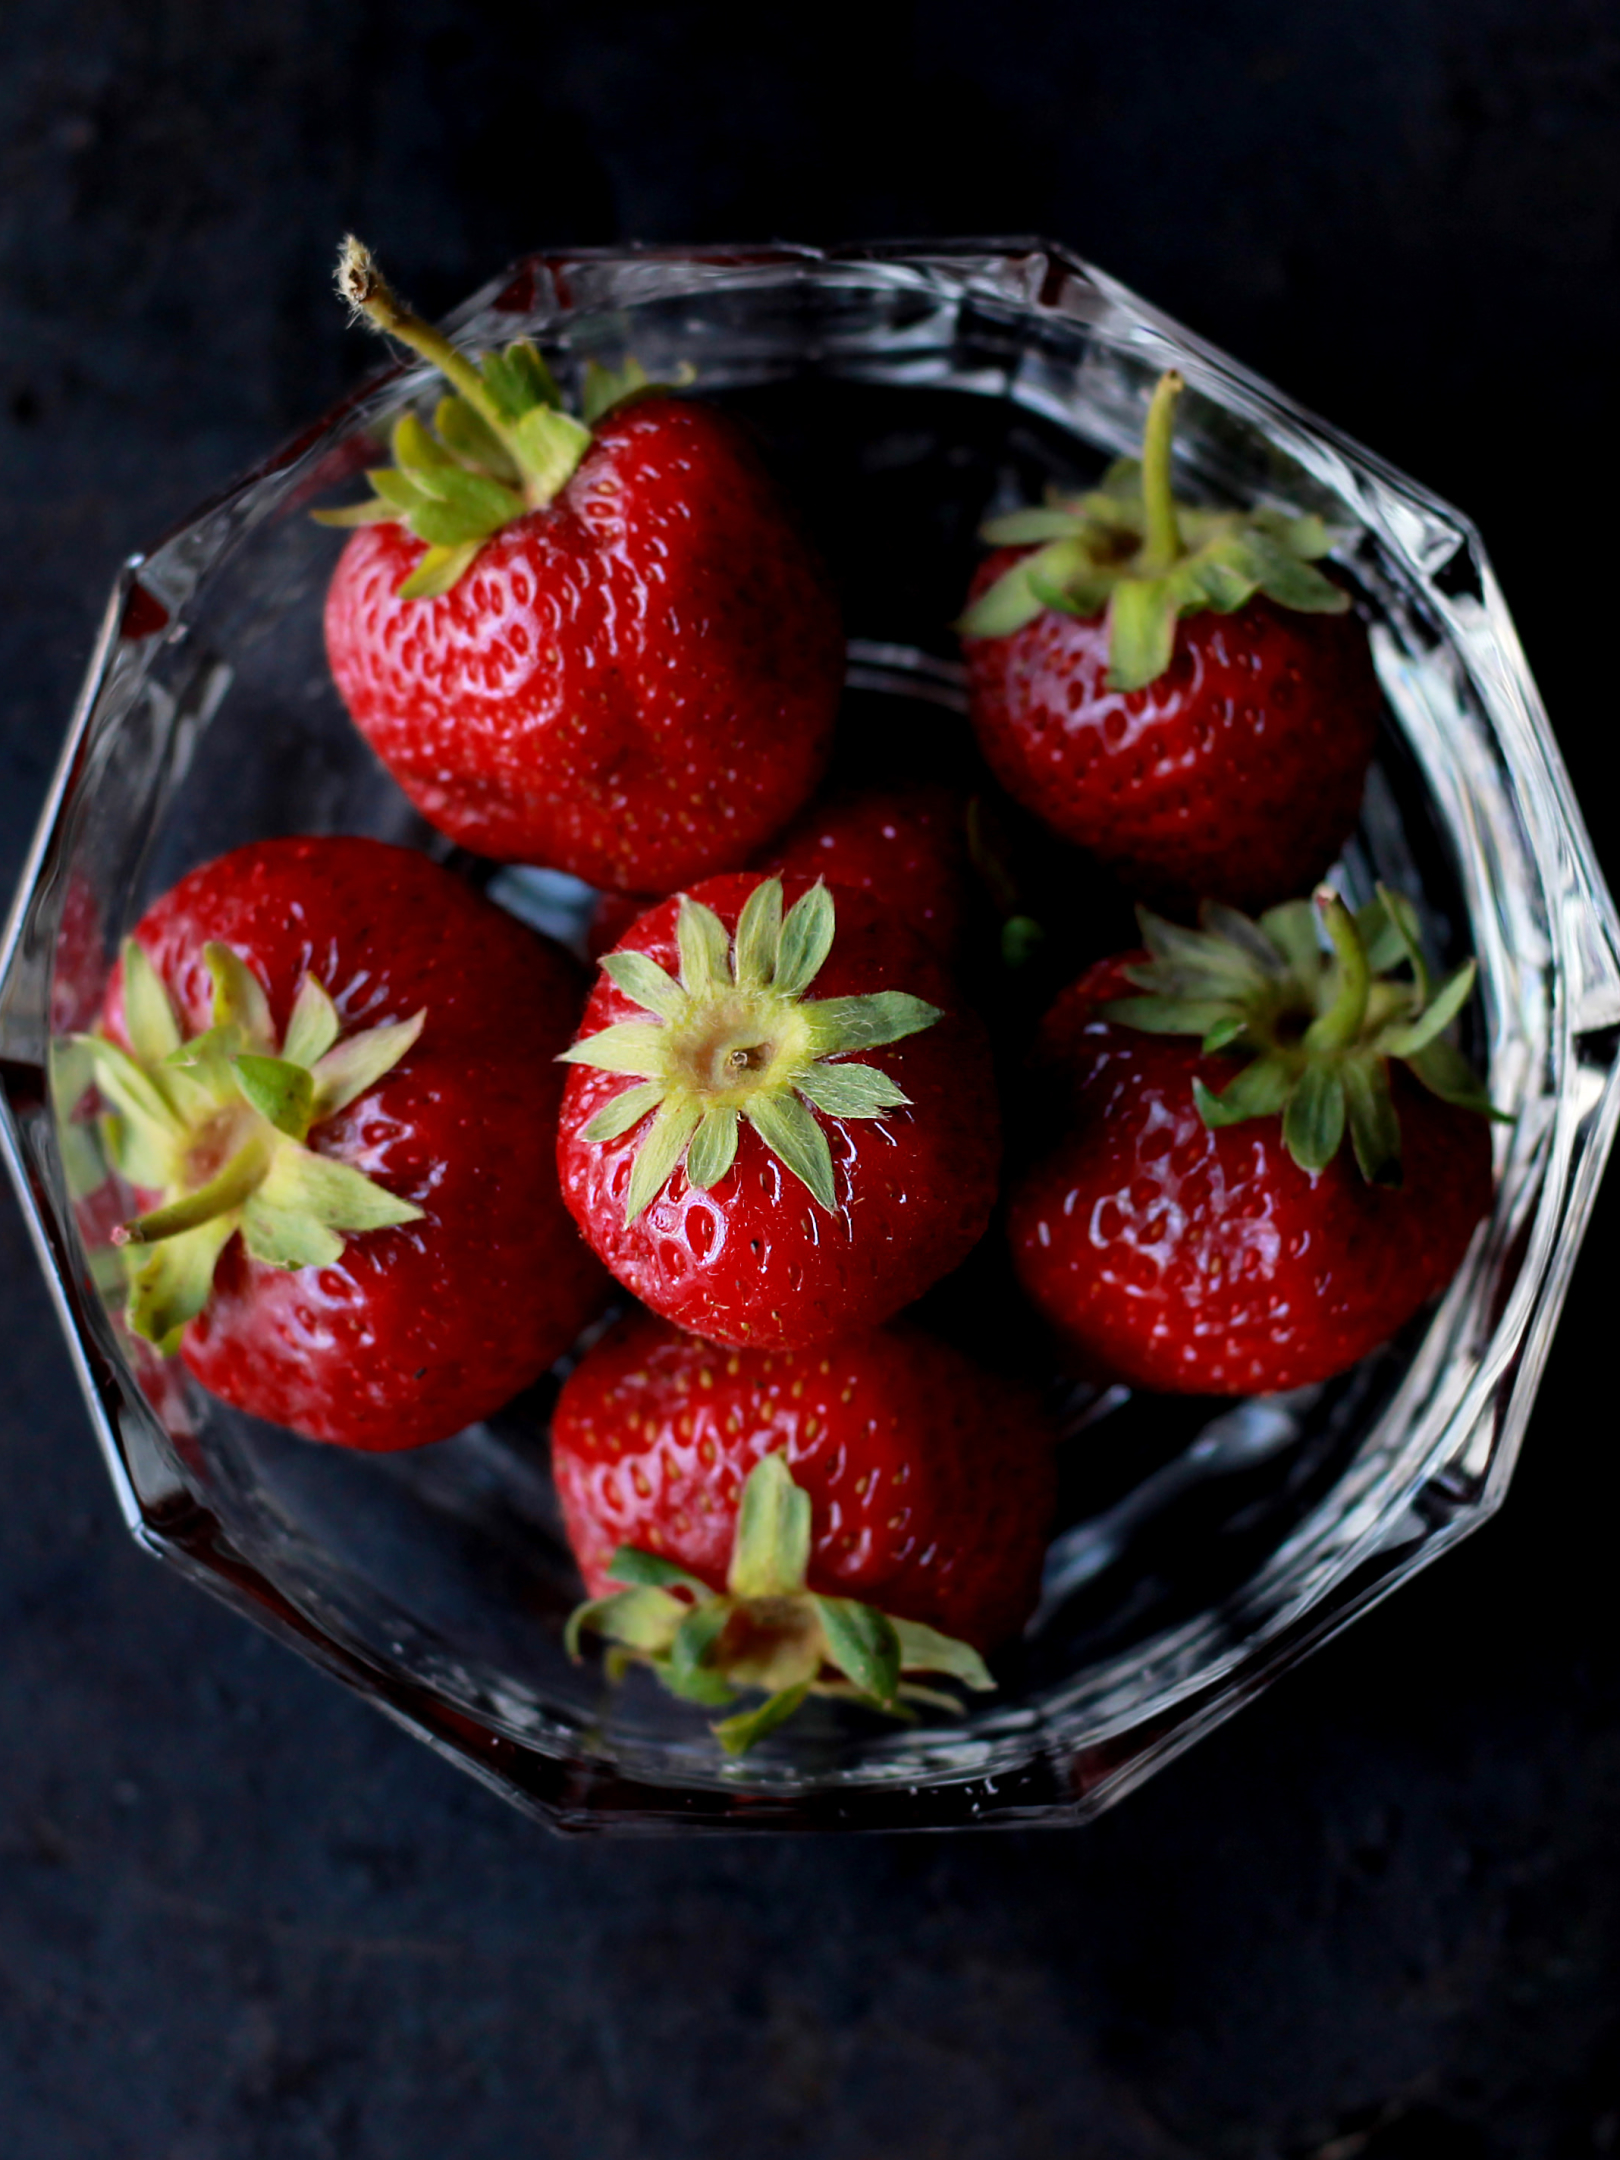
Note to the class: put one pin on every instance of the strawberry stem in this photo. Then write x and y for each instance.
(1163, 548)
(1342, 1022)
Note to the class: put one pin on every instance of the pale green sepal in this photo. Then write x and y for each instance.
(375, 512)
(224, 1192)
(280, 1091)
(932, 1698)
(759, 931)
(625, 1111)
(713, 1149)
(484, 505)
(345, 1072)
(1313, 1122)
(239, 999)
(518, 379)
(863, 1644)
(925, 1649)
(1259, 1090)
(630, 1046)
(642, 1619)
(1002, 607)
(858, 1091)
(1141, 631)
(1294, 928)
(170, 1282)
(1445, 1072)
(695, 1685)
(1238, 929)
(1291, 583)
(469, 437)
(700, 1629)
(1171, 1015)
(342, 1198)
(313, 1026)
(440, 569)
(672, 1126)
(402, 489)
(412, 445)
(806, 940)
(864, 1023)
(643, 980)
(652, 1571)
(549, 445)
(772, 1547)
(287, 1238)
(135, 1092)
(791, 1133)
(149, 1017)
(1379, 934)
(605, 387)
(1030, 528)
(738, 1734)
(1447, 1002)
(1223, 1034)
(1222, 576)
(448, 526)
(705, 948)
(1375, 1130)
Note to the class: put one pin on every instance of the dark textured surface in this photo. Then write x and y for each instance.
(240, 1918)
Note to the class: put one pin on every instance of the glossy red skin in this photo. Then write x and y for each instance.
(1208, 1262)
(636, 684)
(1236, 776)
(931, 1483)
(755, 1260)
(414, 1332)
(905, 846)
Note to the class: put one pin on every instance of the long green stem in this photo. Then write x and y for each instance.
(365, 288)
(1163, 547)
(238, 1181)
(1342, 1022)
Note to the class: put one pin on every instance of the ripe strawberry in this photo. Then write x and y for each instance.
(883, 1467)
(750, 1183)
(336, 1066)
(604, 646)
(1200, 754)
(905, 846)
(1221, 1242)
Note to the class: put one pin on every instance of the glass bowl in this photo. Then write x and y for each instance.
(1203, 1547)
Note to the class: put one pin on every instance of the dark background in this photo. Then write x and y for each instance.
(240, 1917)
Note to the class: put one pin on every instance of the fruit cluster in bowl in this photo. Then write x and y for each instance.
(386, 1174)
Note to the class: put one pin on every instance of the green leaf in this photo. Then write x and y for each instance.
(1294, 929)
(836, 1025)
(1375, 1130)
(696, 1685)
(313, 1026)
(413, 446)
(347, 1070)
(374, 512)
(132, 1090)
(925, 1649)
(651, 1570)
(1385, 945)
(1233, 927)
(149, 1017)
(806, 940)
(517, 379)
(705, 948)
(448, 526)
(791, 1133)
(484, 503)
(1030, 528)
(1292, 583)
(1064, 576)
(1141, 631)
(845, 1091)
(642, 979)
(738, 1734)
(1259, 1090)
(549, 446)
(440, 571)
(759, 932)
(1222, 575)
(402, 489)
(333, 1193)
(1222, 1033)
(278, 1090)
(287, 1238)
(1171, 1016)
(1313, 1123)
(630, 1046)
(171, 1281)
(863, 1644)
(701, 1628)
(642, 1619)
(1002, 607)
(672, 1126)
(1445, 1072)
(1199, 963)
(239, 999)
(1442, 1009)
(625, 1112)
(605, 387)
(714, 1147)
(772, 1547)
(469, 437)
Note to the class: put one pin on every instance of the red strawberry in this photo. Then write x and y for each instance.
(923, 1484)
(604, 648)
(906, 846)
(723, 1154)
(1224, 1242)
(1177, 690)
(336, 1065)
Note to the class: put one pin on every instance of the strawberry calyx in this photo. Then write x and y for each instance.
(736, 1038)
(1128, 547)
(500, 447)
(767, 1630)
(1309, 997)
(216, 1123)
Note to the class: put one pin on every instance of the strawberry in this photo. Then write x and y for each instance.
(1179, 691)
(334, 1065)
(883, 1467)
(602, 646)
(752, 1182)
(1198, 1226)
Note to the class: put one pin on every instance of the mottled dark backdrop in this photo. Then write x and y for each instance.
(240, 1917)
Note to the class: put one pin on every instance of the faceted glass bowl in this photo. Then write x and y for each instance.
(903, 392)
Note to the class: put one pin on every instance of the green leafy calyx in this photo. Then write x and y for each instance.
(735, 1038)
(1316, 1019)
(217, 1123)
(501, 446)
(767, 1630)
(1131, 549)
